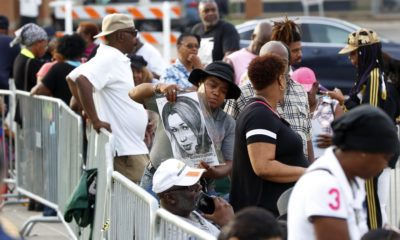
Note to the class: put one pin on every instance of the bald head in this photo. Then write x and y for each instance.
(261, 35)
(277, 48)
(263, 31)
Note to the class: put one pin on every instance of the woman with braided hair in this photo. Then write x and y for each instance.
(370, 88)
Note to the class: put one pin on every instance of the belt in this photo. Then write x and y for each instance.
(150, 168)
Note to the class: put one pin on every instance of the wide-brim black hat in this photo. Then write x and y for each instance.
(223, 71)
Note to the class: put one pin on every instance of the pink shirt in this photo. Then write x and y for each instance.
(45, 69)
(240, 60)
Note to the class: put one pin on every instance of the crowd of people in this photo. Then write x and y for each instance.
(294, 161)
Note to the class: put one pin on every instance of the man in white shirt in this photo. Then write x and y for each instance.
(177, 186)
(101, 86)
(327, 201)
(29, 11)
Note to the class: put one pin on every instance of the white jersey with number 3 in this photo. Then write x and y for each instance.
(325, 191)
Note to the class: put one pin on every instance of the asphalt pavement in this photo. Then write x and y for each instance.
(18, 215)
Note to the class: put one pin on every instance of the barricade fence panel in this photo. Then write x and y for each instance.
(6, 141)
(48, 151)
(70, 157)
(100, 155)
(133, 210)
(171, 227)
(38, 121)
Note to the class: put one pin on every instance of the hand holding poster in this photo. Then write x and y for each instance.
(185, 126)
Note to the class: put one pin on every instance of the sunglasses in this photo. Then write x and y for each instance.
(133, 32)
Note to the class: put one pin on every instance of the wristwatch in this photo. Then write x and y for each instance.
(155, 88)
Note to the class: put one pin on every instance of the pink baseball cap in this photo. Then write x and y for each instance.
(305, 77)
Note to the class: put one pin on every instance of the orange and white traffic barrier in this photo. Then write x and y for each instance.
(157, 37)
(100, 11)
(150, 37)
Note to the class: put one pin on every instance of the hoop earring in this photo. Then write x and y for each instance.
(281, 88)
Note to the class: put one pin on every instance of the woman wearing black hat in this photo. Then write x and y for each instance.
(268, 157)
(328, 201)
(218, 82)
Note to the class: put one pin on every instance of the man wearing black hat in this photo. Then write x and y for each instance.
(7, 55)
(217, 80)
(331, 193)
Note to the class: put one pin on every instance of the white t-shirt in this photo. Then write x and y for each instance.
(155, 62)
(205, 50)
(111, 76)
(326, 193)
(29, 8)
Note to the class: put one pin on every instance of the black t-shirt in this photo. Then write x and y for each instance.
(226, 38)
(257, 123)
(56, 83)
(19, 70)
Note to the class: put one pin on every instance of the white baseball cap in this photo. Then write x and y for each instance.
(173, 172)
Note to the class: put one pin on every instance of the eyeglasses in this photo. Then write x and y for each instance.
(133, 32)
(191, 46)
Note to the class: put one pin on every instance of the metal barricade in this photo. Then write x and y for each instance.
(7, 148)
(48, 154)
(6, 142)
(70, 158)
(170, 227)
(37, 147)
(133, 210)
(100, 155)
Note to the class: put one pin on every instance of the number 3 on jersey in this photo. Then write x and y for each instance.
(335, 193)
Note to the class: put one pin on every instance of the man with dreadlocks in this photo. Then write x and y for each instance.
(290, 33)
(370, 88)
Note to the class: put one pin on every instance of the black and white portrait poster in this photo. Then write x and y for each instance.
(185, 126)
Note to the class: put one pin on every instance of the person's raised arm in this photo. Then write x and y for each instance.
(264, 164)
(147, 90)
(222, 214)
(216, 172)
(85, 93)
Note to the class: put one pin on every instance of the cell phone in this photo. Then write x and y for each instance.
(205, 203)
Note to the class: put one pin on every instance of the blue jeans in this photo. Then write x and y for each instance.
(147, 182)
